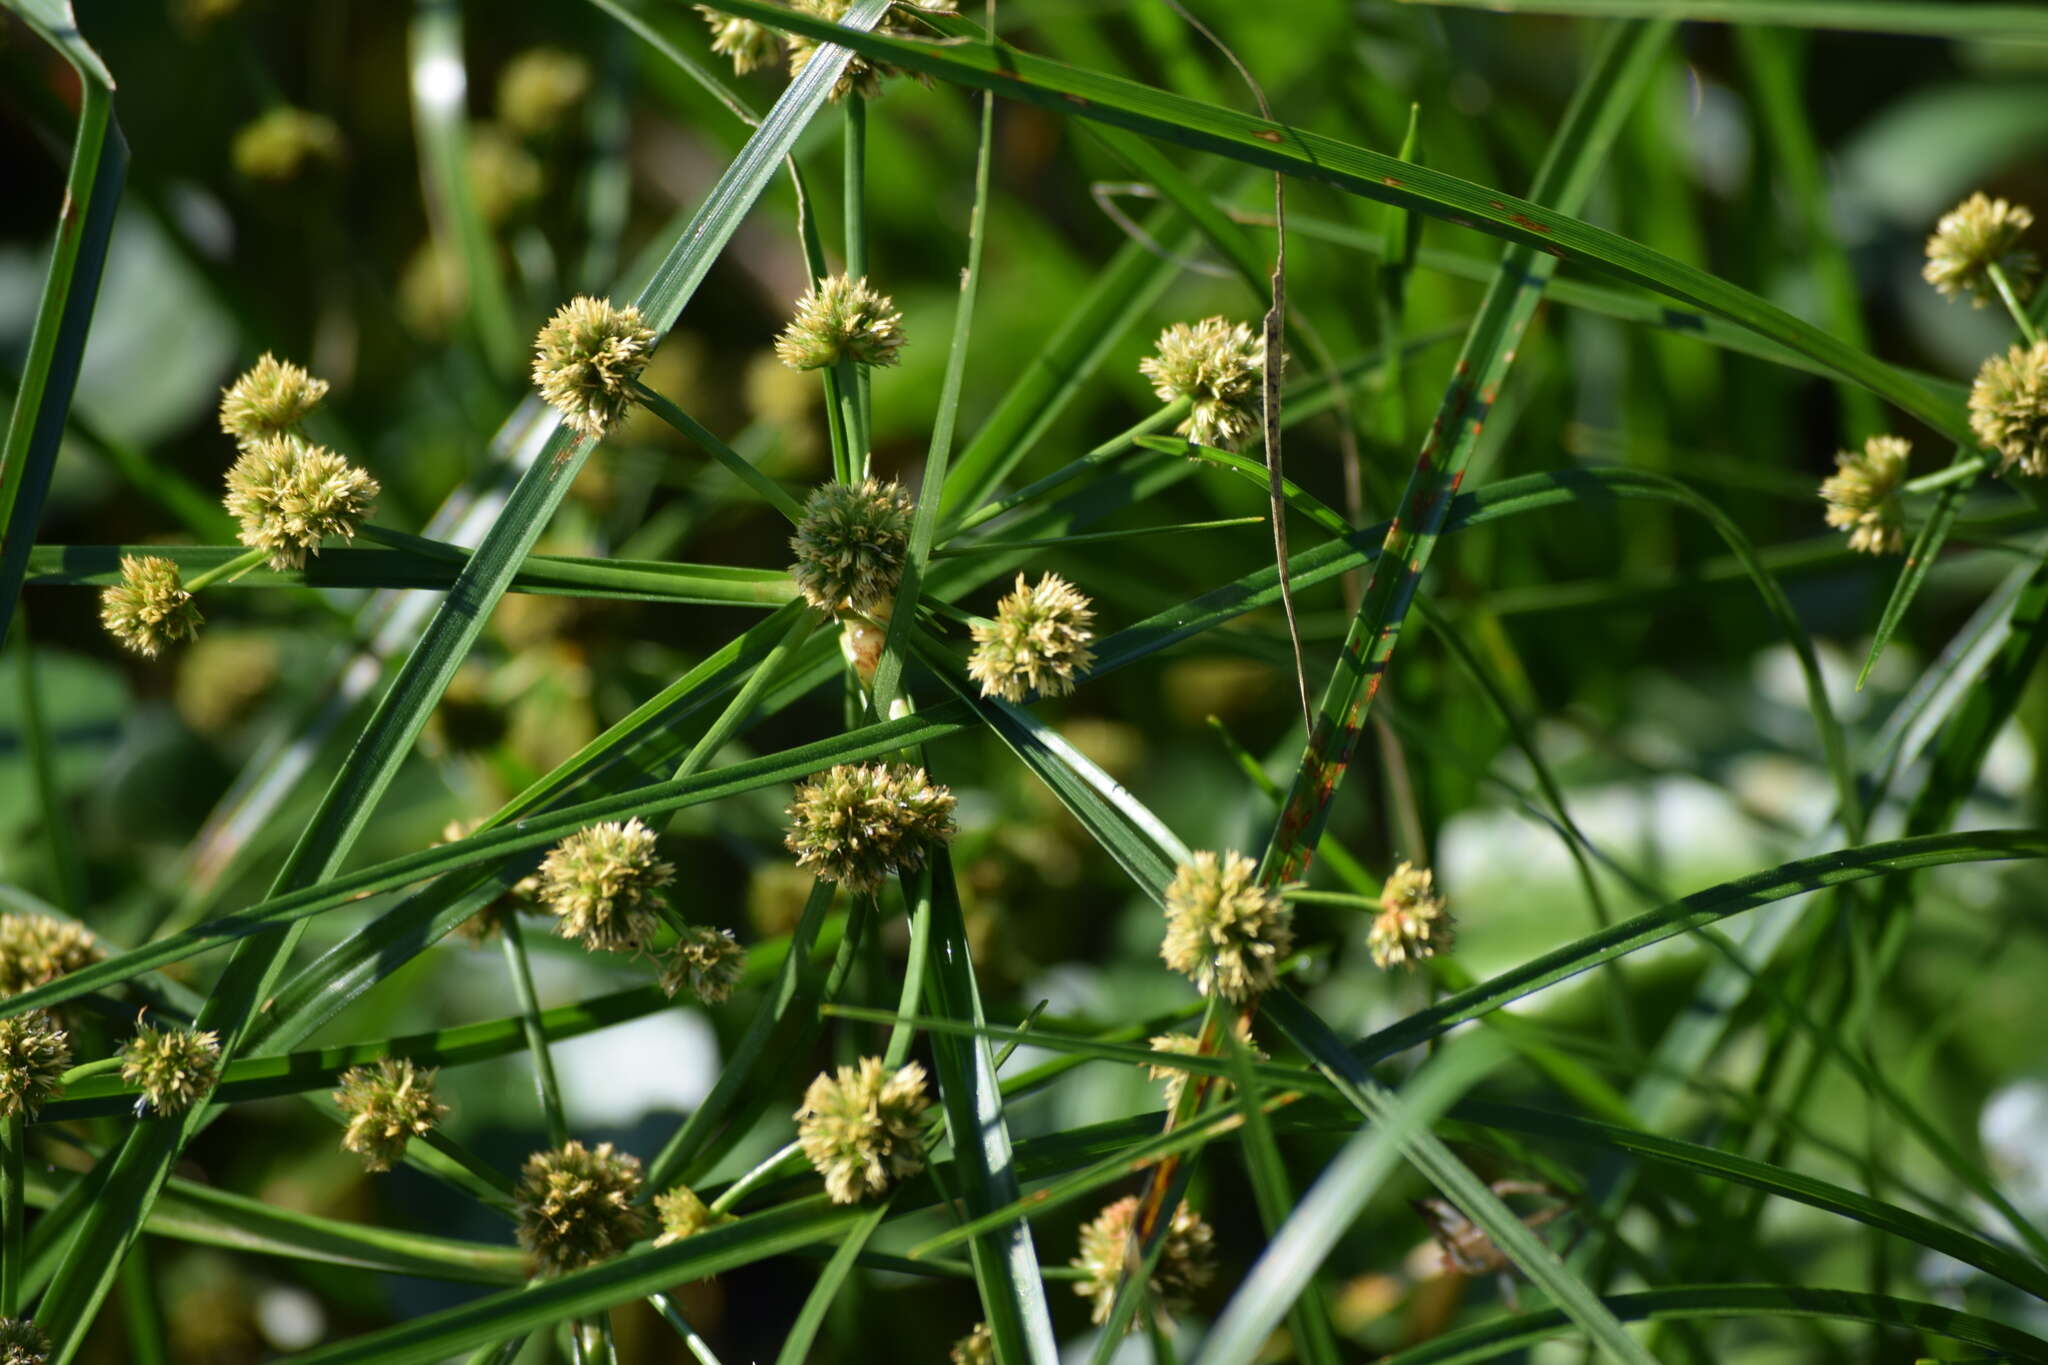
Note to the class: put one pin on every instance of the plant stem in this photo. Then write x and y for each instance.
(1083, 538)
(697, 1345)
(739, 1187)
(1102, 454)
(2010, 297)
(536, 1037)
(853, 378)
(1960, 472)
(231, 570)
(753, 478)
(12, 1246)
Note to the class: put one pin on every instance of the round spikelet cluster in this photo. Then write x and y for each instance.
(174, 1068)
(1188, 1045)
(2009, 407)
(22, 1343)
(388, 1105)
(586, 359)
(1037, 643)
(1187, 1259)
(37, 949)
(1972, 237)
(540, 87)
(683, 1214)
(858, 823)
(1218, 366)
(862, 74)
(706, 962)
(34, 1055)
(841, 319)
(749, 44)
(149, 608)
(289, 495)
(269, 399)
(600, 885)
(862, 1129)
(978, 1347)
(575, 1206)
(1413, 922)
(1224, 931)
(1863, 495)
(849, 545)
(284, 144)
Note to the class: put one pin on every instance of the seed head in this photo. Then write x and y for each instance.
(1187, 1259)
(1972, 237)
(387, 1105)
(858, 823)
(22, 1342)
(750, 45)
(1037, 643)
(978, 1347)
(285, 143)
(1218, 366)
(1188, 1045)
(1412, 923)
(504, 177)
(34, 1055)
(861, 1129)
(575, 1206)
(862, 74)
(841, 319)
(706, 962)
(849, 545)
(290, 495)
(1863, 495)
(2009, 407)
(149, 607)
(172, 1067)
(36, 949)
(600, 885)
(683, 1214)
(1223, 930)
(539, 87)
(271, 398)
(586, 359)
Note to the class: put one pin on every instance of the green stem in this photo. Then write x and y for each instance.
(2010, 297)
(698, 1347)
(738, 1188)
(12, 1135)
(1102, 454)
(1962, 471)
(1302, 895)
(853, 378)
(469, 1161)
(1052, 542)
(231, 570)
(536, 1036)
(719, 450)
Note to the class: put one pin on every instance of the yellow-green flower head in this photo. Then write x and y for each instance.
(978, 1347)
(706, 962)
(34, 1055)
(862, 1129)
(1863, 495)
(840, 319)
(858, 823)
(1188, 1045)
(751, 45)
(1187, 1259)
(271, 398)
(1224, 931)
(388, 1105)
(1219, 367)
(683, 1214)
(862, 75)
(539, 87)
(600, 885)
(36, 949)
(289, 495)
(285, 143)
(1412, 923)
(586, 359)
(149, 608)
(504, 177)
(1037, 643)
(173, 1067)
(2009, 407)
(575, 1206)
(850, 543)
(22, 1343)
(1972, 237)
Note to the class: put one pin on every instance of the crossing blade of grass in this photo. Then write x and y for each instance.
(105, 1229)
(1312, 156)
(1926, 548)
(796, 1347)
(1296, 1251)
(1490, 1340)
(1984, 23)
(56, 347)
(1451, 1176)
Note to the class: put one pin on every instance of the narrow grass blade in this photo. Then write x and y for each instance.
(1982, 22)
